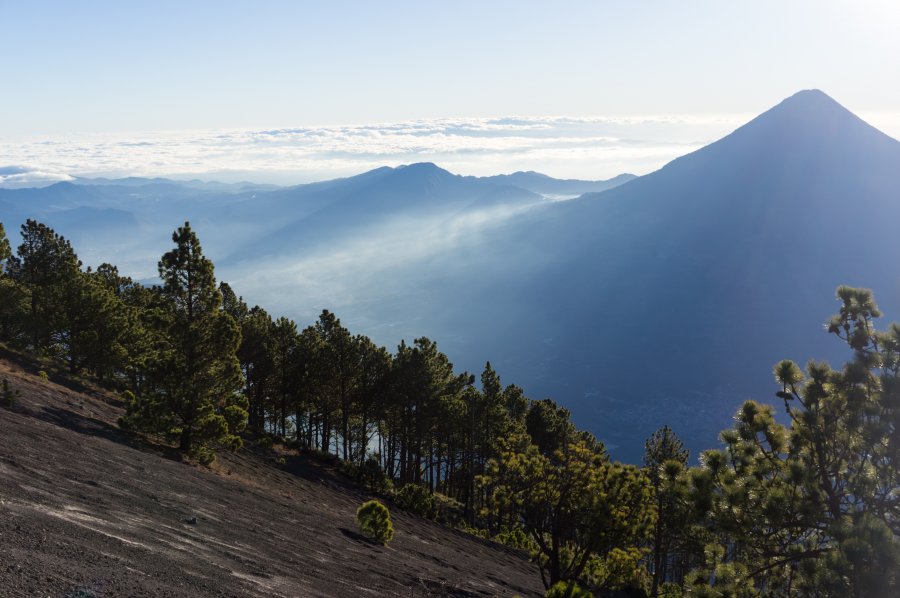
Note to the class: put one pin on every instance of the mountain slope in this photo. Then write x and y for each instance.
(88, 511)
(668, 299)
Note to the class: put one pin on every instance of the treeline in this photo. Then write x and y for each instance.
(812, 509)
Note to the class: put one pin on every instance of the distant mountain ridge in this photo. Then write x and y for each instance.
(247, 217)
(545, 185)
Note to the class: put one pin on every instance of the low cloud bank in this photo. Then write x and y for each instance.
(564, 147)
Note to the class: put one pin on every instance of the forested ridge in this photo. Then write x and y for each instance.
(809, 509)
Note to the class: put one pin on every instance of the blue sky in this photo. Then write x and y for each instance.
(88, 68)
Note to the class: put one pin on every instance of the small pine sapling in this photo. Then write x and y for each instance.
(374, 521)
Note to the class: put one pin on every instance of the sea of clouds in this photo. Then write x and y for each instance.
(564, 147)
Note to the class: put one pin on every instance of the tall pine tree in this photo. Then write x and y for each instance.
(195, 394)
(5, 249)
(47, 266)
(12, 297)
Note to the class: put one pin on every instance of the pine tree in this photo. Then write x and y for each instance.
(145, 342)
(257, 363)
(665, 463)
(47, 266)
(370, 388)
(194, 395)
(284, 348)
(233, 305)
(549, 426)
(5, 249)
(97, 325)
(812, 510)
(332, 370)
(13, 298)
(575, 505)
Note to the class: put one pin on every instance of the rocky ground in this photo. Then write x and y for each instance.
(89, 511)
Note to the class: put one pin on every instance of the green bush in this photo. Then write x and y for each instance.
(567, 589)
(474, 531)
(7, 394)
(265, 442)
(349, 469)
(374, 521)
(670, 590)
(203, 453)
(43, 376)
(371, 476)
(415, 499)
(515, 538)
(447, 510)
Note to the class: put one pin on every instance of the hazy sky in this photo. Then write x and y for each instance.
(77, 68)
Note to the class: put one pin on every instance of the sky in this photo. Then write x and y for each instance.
(288, 92)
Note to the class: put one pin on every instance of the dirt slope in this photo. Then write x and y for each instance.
(87, 511)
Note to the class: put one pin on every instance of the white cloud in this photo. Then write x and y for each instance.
(12, 177)
(566, 147)
(560, 146)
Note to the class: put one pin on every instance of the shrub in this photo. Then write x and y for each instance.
(415, 499)
(475, 531)
(670, 590)
(371, 476)
(7, 394)
(515, 538)
(447, 510)
(325, 457)
(374, 521)
(204, 454)
(620, 569)
(349, 469)
(43, 376)
(265, 442)
(567, 589)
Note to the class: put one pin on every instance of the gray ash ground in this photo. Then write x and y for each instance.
(89, 511)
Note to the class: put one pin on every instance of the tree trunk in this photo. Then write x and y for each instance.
(553, 565)
(345, 431)
(185, 440)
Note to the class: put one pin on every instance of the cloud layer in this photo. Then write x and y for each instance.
(564, 147)
(591, 148)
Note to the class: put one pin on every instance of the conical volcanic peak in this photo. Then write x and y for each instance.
(808, 127)
(808, 99)
(806, 143)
